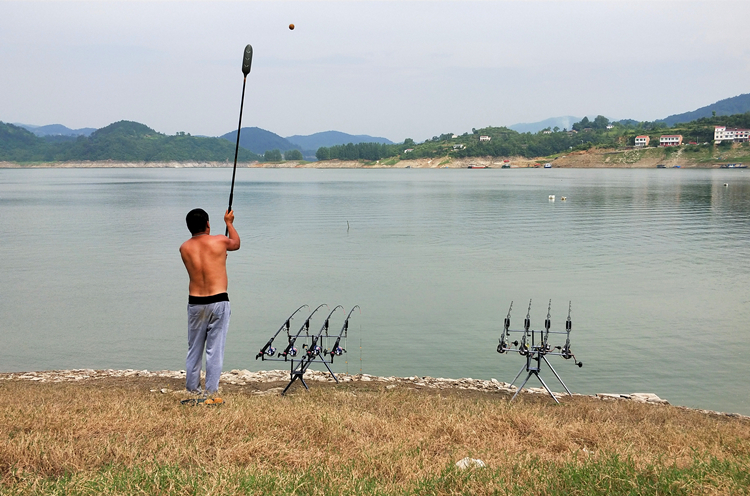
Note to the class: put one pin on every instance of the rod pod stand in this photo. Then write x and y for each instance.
(315, 349)
(535, 347)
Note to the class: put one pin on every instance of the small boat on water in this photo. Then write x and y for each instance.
(474, 166)
(661, 166)
(547, 165)
(734, 166)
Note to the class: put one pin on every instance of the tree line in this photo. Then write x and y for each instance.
(359, 151)
(505, 142)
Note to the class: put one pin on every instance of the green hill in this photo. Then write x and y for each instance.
(729, 106)
(260, 141)
(122, 141)
(19, 145)
(333, 138)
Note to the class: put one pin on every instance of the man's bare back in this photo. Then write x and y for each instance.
(205, 258)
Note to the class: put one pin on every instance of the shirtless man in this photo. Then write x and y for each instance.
(205, 259)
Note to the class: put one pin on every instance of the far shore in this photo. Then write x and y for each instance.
(589, 159)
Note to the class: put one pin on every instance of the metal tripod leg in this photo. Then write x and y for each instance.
(536, 373)
(548, 389)
(295, 376)
(329, 370)
(558, 377)
(519, 375)
(522, 385)
(298, 374)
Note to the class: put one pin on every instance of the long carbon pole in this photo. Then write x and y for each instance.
(247, 59)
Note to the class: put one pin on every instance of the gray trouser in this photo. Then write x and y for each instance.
(207, 325)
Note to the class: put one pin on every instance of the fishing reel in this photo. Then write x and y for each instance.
(292, 352)
(338, 351)
(266, 350)
(313, 350)
(567, 354)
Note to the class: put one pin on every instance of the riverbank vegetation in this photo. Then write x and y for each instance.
(505, 142)
(109, 437)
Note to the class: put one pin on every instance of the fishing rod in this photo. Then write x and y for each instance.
(547, 324)
(534, 352)
(506, 332)
(268, 349)
(566, 353)
(290, 350)
(314, 348)
(247, 60)
(337, 350)
(524, 348)
(313, 352)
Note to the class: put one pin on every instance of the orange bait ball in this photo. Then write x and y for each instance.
(291, 26)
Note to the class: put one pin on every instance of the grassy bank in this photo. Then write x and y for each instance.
(105, 437)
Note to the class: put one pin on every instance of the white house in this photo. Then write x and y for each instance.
(484, 138)
(670, 140)
(721, 133)
(642, 140)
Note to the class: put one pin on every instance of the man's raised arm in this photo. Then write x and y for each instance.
(234, 238)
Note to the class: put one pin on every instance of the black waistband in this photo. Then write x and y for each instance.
(205, 300)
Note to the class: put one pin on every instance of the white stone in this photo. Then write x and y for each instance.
(467, 462)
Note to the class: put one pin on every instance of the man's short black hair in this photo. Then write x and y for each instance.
(197, 220)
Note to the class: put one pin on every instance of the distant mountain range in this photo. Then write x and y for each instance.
(123, 141)
(333, 138)
(57, 130)
(259, 140)
(729, 106)
(255, 139)
(565, 122)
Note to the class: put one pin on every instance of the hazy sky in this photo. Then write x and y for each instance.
(385, 68)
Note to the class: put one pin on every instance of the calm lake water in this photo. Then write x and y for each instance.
(655, 263)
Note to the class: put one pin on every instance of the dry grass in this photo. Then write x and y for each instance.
(87, 439)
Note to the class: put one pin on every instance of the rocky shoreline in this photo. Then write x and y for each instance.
(246, 377)
(587, 159)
